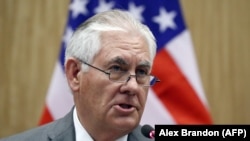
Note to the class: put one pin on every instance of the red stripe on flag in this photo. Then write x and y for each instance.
(46, 116)
(176, 93)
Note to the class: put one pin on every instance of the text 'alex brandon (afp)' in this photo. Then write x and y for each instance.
(220, 132)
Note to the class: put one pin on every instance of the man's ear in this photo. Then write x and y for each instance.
(72, 71)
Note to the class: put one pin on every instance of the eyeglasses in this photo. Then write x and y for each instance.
(124, 76)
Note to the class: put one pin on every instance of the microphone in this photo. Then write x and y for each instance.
(148, 131)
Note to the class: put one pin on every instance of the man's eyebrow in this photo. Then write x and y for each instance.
(121, 61)
(118, 60)
(145, 64)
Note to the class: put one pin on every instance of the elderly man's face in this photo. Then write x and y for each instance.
(111, 105)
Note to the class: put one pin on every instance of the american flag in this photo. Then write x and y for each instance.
(179, 97)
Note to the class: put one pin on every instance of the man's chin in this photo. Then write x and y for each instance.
(126, 123)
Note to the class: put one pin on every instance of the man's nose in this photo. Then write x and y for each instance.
(130, 76)
(132, 83)
(131, 87)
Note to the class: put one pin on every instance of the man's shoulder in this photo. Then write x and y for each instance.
(59, 129)
(37, 133)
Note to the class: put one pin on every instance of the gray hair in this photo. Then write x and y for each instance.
(85, 42)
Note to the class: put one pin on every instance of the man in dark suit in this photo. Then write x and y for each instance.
(107, 65)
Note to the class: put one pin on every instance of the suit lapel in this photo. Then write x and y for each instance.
(63, 129)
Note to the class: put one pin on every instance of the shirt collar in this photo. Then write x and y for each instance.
(80, 132)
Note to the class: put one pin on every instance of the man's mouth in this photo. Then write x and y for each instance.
(125, 109)
(125, 106)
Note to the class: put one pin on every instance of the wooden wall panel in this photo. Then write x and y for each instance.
(30, 35)
(221, 36)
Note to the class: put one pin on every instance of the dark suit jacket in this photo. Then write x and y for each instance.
(62, 130)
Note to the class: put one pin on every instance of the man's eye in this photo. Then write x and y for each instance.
(116, 68)
(141, 72)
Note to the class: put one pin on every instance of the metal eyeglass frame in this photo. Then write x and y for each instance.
(153, 79)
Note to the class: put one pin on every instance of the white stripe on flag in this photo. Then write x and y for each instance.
(155, 112)
(182, 51)
(59, 98)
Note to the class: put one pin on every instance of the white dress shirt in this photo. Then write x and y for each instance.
(82, 134)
